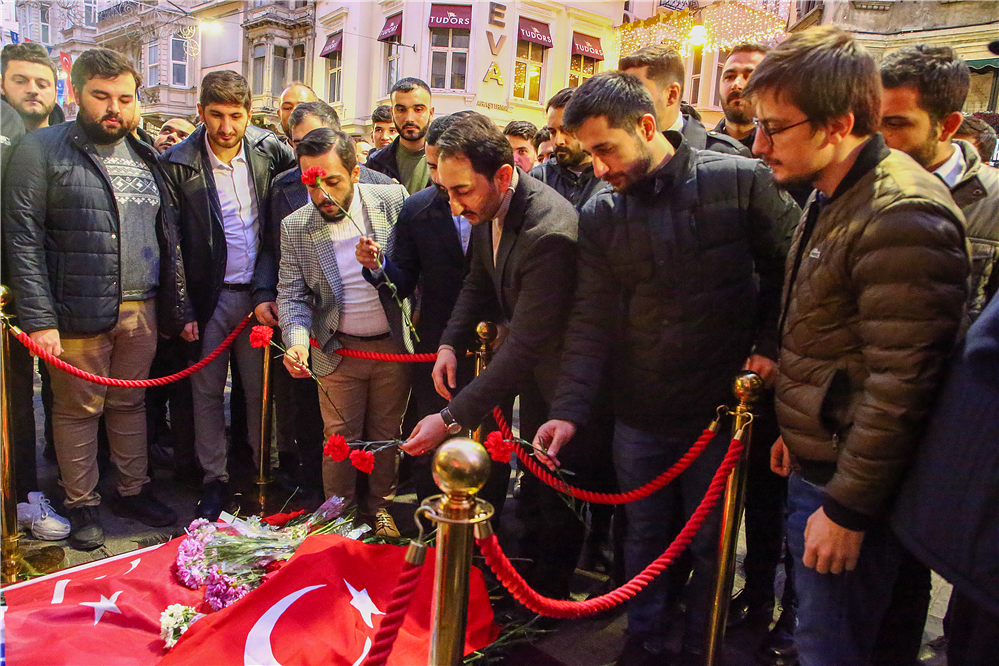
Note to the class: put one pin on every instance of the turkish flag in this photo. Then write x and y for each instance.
(106, 612)
(324, 608)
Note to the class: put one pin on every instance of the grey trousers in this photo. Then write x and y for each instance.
(208, 385)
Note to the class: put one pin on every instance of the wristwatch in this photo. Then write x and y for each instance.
(453, 427)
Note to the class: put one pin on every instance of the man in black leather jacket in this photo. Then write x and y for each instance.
(221, 177)
(94, 264)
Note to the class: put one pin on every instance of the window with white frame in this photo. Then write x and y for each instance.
(89, 12)
(259, 59)
(153, 63)
(528, 71)
(393, 62)
(178, 61)
(448, 58)
(43, 18)
(298, 62)
(279, 69)
(695, 76)
(334, 77)
(580, 68)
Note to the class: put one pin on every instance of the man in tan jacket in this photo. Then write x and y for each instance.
(873, 300)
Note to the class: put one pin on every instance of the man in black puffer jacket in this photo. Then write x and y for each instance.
(680, 271)
(94, 255)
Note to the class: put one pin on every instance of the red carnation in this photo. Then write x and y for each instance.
(499, 449)
(313, 175)
(336, 448)
(364, 461)
(260, 336)
(280, 519)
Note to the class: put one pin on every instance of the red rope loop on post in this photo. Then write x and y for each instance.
(56, 362)
(642, 492)
(558, 608)
(395, 613)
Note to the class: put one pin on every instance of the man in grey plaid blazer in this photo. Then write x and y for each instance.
(323, 295)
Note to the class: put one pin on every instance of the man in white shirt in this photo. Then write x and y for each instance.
(220, 177)
(323, 295)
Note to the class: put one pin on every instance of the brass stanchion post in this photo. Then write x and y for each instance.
(263, 475)
(461, 468)
(14, 563)
(486, 330)
(746, 388)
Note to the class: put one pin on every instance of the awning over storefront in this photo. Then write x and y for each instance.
(392, 28)
(450, 16)
(984, 65)
(333, 44)
(535, 31)
(587, 46)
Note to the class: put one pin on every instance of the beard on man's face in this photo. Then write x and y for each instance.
(568, 158)
(735, 112)
(96, 130)
(925, 153)
(331, 212)
(626, 179)
(33, 113)
(412, 132)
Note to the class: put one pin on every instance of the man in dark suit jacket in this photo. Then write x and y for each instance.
(523, 265)
(221, 177)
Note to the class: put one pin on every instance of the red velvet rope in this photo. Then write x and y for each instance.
(400, 358)
(558, 608)
(395, 613)
(605, 498)
(55, 362)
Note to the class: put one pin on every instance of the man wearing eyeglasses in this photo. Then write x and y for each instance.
(874, 296)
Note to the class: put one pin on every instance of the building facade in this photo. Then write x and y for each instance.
(502, 59)
(967, 26)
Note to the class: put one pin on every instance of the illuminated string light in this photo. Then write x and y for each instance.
(723, 25)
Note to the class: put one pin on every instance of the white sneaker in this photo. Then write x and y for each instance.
(37, 515)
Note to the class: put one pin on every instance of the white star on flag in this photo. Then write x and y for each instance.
(362, 602)
(105, 605)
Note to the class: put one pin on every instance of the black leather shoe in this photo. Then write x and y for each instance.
(85, 531)
(214, 497)
(778, 647)
(145, 508)
(742, 610)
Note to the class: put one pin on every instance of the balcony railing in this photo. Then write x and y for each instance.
(124, 8)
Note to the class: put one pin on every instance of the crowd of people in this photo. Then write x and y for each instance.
(836, 233)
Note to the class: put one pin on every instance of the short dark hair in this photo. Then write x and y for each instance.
(323, 140)
(983, 134)
(560, 99)
(225, 87)
(618, 96)
(440, 124)
(748, 47)
(320, 109)
(522, 128)
(539, 138)
(826, 73)
(476, 137)
(408, 84)
(103, 64)
(665, 65)
(941, 77)
(382, 114)
(27, 52)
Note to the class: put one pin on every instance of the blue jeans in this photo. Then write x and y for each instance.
(639, 457)
(838, 614)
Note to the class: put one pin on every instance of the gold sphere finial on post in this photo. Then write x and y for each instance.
(486, 330)
(461, 465)
(5, 298)
(747, 387)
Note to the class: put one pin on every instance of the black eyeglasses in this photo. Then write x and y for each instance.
(771, 133)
